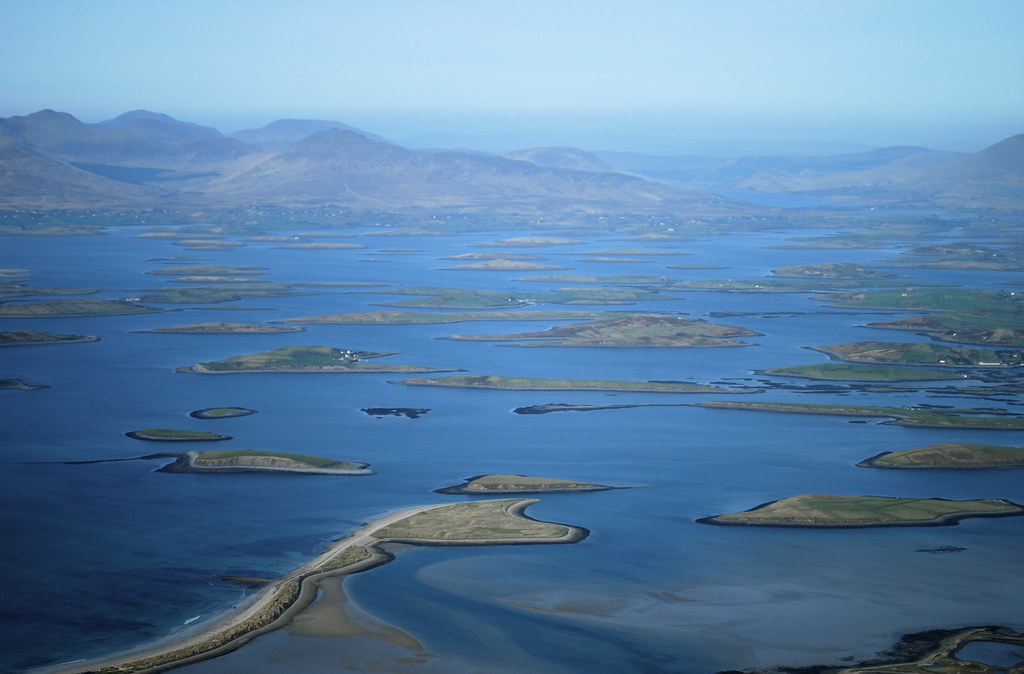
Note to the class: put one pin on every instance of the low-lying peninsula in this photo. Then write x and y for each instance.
(518, 484)
(306, 359)
(936, 355)
(536, 384)
(901, 416)
(26, 337)
(254, 461)
(848, 372)
(423, 317)
(827, 510)
(950, 455)
(222, 327)
(175, 435)
(74, 308)
(492, 522)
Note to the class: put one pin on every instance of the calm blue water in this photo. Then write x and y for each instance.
(99, 557)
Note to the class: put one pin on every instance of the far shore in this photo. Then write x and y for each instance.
(280, 601)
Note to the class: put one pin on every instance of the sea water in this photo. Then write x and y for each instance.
(99, 557)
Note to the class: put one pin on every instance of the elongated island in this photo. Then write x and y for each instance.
(491, 522)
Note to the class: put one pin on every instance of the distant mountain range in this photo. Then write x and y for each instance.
(144, 159)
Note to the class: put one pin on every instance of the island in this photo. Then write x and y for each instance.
(494, 256)
(27, 337)
(988, 419)
(221, 413)
(909, 353)
(501, 264)
(323, 246)
(518, 484)
(211, 270)
(950, 455)
(828, 511)
(461, 298)
(963, 328)
(407, 412)
(223, 327)
(532, 241)
(653, 330)
(423, 317)
(846, 372)
(19, 385)
(176, 435)
(613, 279)
(74, 308)
(831, 270)
(489, 381)
(547, 408)
(491, 522)
(306, 359)
(255, 461)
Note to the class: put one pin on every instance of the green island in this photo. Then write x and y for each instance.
(74, 308)
(176, 435)
(638, 251)
(900, 416)
(19, 385)
(949, 455)
(532, 241)
(12, 290)
(305, 359)
(831, 270)
(251, 460)
(26, 337)
(613, 279)
(494, 256)
(963, 328)
(491, 522)
(323, 246)
(782, 285)
(417, 317)
(214, 294)
(502, 264)
(210, 270)
(847, 372)
(488, 381)
(221, 412)
(969, 300)
(518, 484)
(655, 330)
(937, 355)
(547, 408)
(616, 260)
(459, 298)
(827, 510)
(223, 327)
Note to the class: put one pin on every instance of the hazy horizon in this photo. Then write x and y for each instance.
(944, 75)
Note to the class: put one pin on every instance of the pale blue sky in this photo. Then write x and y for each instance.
(941, 73)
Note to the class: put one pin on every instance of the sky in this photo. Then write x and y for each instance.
(947, 74)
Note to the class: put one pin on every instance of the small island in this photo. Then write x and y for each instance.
(936, 355)
(407, 412)
(254, 461)
(27, 337)
(489, 381)
(828, 511)
(830, 270)
(548, 408)
(305, 359)
(210, 270)
(221, 413)
(532, 241)
(502, 264)
(74, 308)
(847, 372)
(949, 455)
(19, 385)
(222, 328)
(491, 522)
(989, 419)
(423, 317)
(518, 484)
(176, 435)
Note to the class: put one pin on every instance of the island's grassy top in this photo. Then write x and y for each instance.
(537, 384)
(221, 412)
(531, 241)
(505, 265)
(1004, 329)
(210, 270)
(950, 455)
(492, 521)
(823, 510)
(24, 337)
(250, 457)
(494, 256)
(411, 317)
(213, 294)
(933, 299)
(614, 279)
(635, 330)
(222, 327)
(457, 298)
(71, 308)
(923, 354)
(507, 483)
(175, 434)
(831, 270)
(903, 416)
(846, 372)
(293, 357)
(780, 285)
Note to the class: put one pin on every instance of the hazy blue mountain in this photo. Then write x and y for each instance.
(286, 131)
(562, 157)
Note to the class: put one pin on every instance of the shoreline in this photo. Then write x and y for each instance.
(186, 463)
(281, 600)
(384, 369)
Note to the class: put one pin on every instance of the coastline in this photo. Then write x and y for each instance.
(280, 601)
(186, 463)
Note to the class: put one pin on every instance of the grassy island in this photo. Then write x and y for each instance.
(210, 270)
(26, 337)
(532, 241)
(73, 308)
(469, 523)
(501, 264)
(250, 460)
(19, 385)
(936, 355)
(654, 330)
(424, 317)
(221, 413)
(831, 270)
(901, 416)
(175, 435)
(459, 298)
(537, 384)
(963, 328)
(305, 359)
(613, 279)
(847, 372)
(518, 484)
(222, 327)
(950, 455)
(826, 510)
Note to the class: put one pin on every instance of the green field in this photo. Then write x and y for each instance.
(823, 510)
(902, 416)
(922, 354)
(950, 455)
(174, 434)
(415, 317)
(536, 384)
(27, 337)
(847, 372)
(73, 308)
